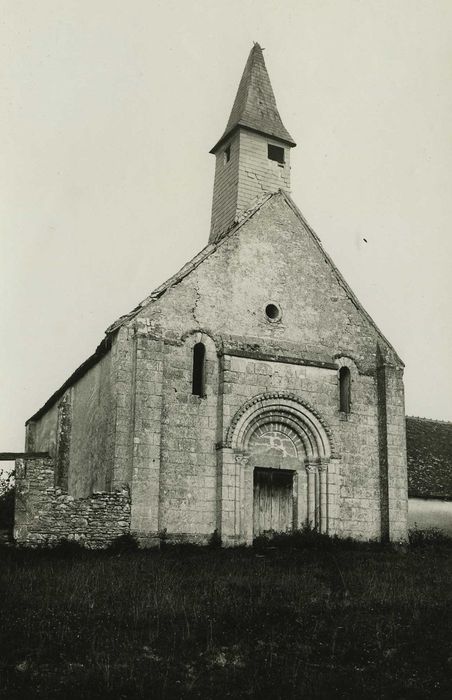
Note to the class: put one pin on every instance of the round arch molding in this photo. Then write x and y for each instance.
(287, 409)
(279, 451)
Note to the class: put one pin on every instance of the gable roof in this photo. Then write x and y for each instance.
(341, 280)
(209, 249)
(429, 457)
(191, 265)
(105, 344)
(101, 350)
(254, 106)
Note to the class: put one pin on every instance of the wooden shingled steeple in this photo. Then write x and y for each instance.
(253, 154)
(255, 105)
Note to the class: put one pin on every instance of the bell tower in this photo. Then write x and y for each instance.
(253, 155)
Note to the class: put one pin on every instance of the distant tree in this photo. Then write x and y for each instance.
(7, 493)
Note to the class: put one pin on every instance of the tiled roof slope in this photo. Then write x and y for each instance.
(429, 455)
(255, 105)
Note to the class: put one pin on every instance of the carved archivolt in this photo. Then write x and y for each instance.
(282, 409)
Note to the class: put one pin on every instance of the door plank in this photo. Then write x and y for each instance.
(272, 501)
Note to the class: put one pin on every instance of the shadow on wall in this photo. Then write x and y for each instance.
(424, 513)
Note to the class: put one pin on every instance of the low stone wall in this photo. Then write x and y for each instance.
(46, 514)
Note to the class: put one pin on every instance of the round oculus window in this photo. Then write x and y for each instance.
(272, 312)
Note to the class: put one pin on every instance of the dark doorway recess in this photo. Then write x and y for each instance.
(273, 500)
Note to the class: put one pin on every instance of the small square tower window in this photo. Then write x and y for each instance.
(276, 153)
(227, 154)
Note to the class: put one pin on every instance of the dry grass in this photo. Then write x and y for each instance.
(335, 622)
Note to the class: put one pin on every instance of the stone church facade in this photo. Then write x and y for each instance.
(249, 393)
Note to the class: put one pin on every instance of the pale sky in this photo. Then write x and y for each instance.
(109, 110)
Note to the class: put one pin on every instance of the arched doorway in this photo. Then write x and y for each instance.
(281, 450)
(275, 453)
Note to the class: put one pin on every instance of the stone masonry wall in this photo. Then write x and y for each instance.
(146, 433)
(163, 441)
(392, 446)
(91, 441)
(45, 514)
(188, 480)
(63, 451)
(79, 431)
(165, 436)
(356, 485)
(42, 434)
(224, 299)
(175, 479)
(272, 258)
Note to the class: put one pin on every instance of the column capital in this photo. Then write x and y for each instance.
(311, 466)
(241, 459)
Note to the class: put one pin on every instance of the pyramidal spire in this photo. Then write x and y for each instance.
(254, 106)
(253, 154)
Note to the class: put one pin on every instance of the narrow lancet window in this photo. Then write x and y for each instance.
(199, 355)
(344, 390)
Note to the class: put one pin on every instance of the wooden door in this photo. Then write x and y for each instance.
(273, 500)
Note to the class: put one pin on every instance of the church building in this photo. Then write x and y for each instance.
(250, 393)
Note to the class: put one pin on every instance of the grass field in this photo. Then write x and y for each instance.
(305, 621)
